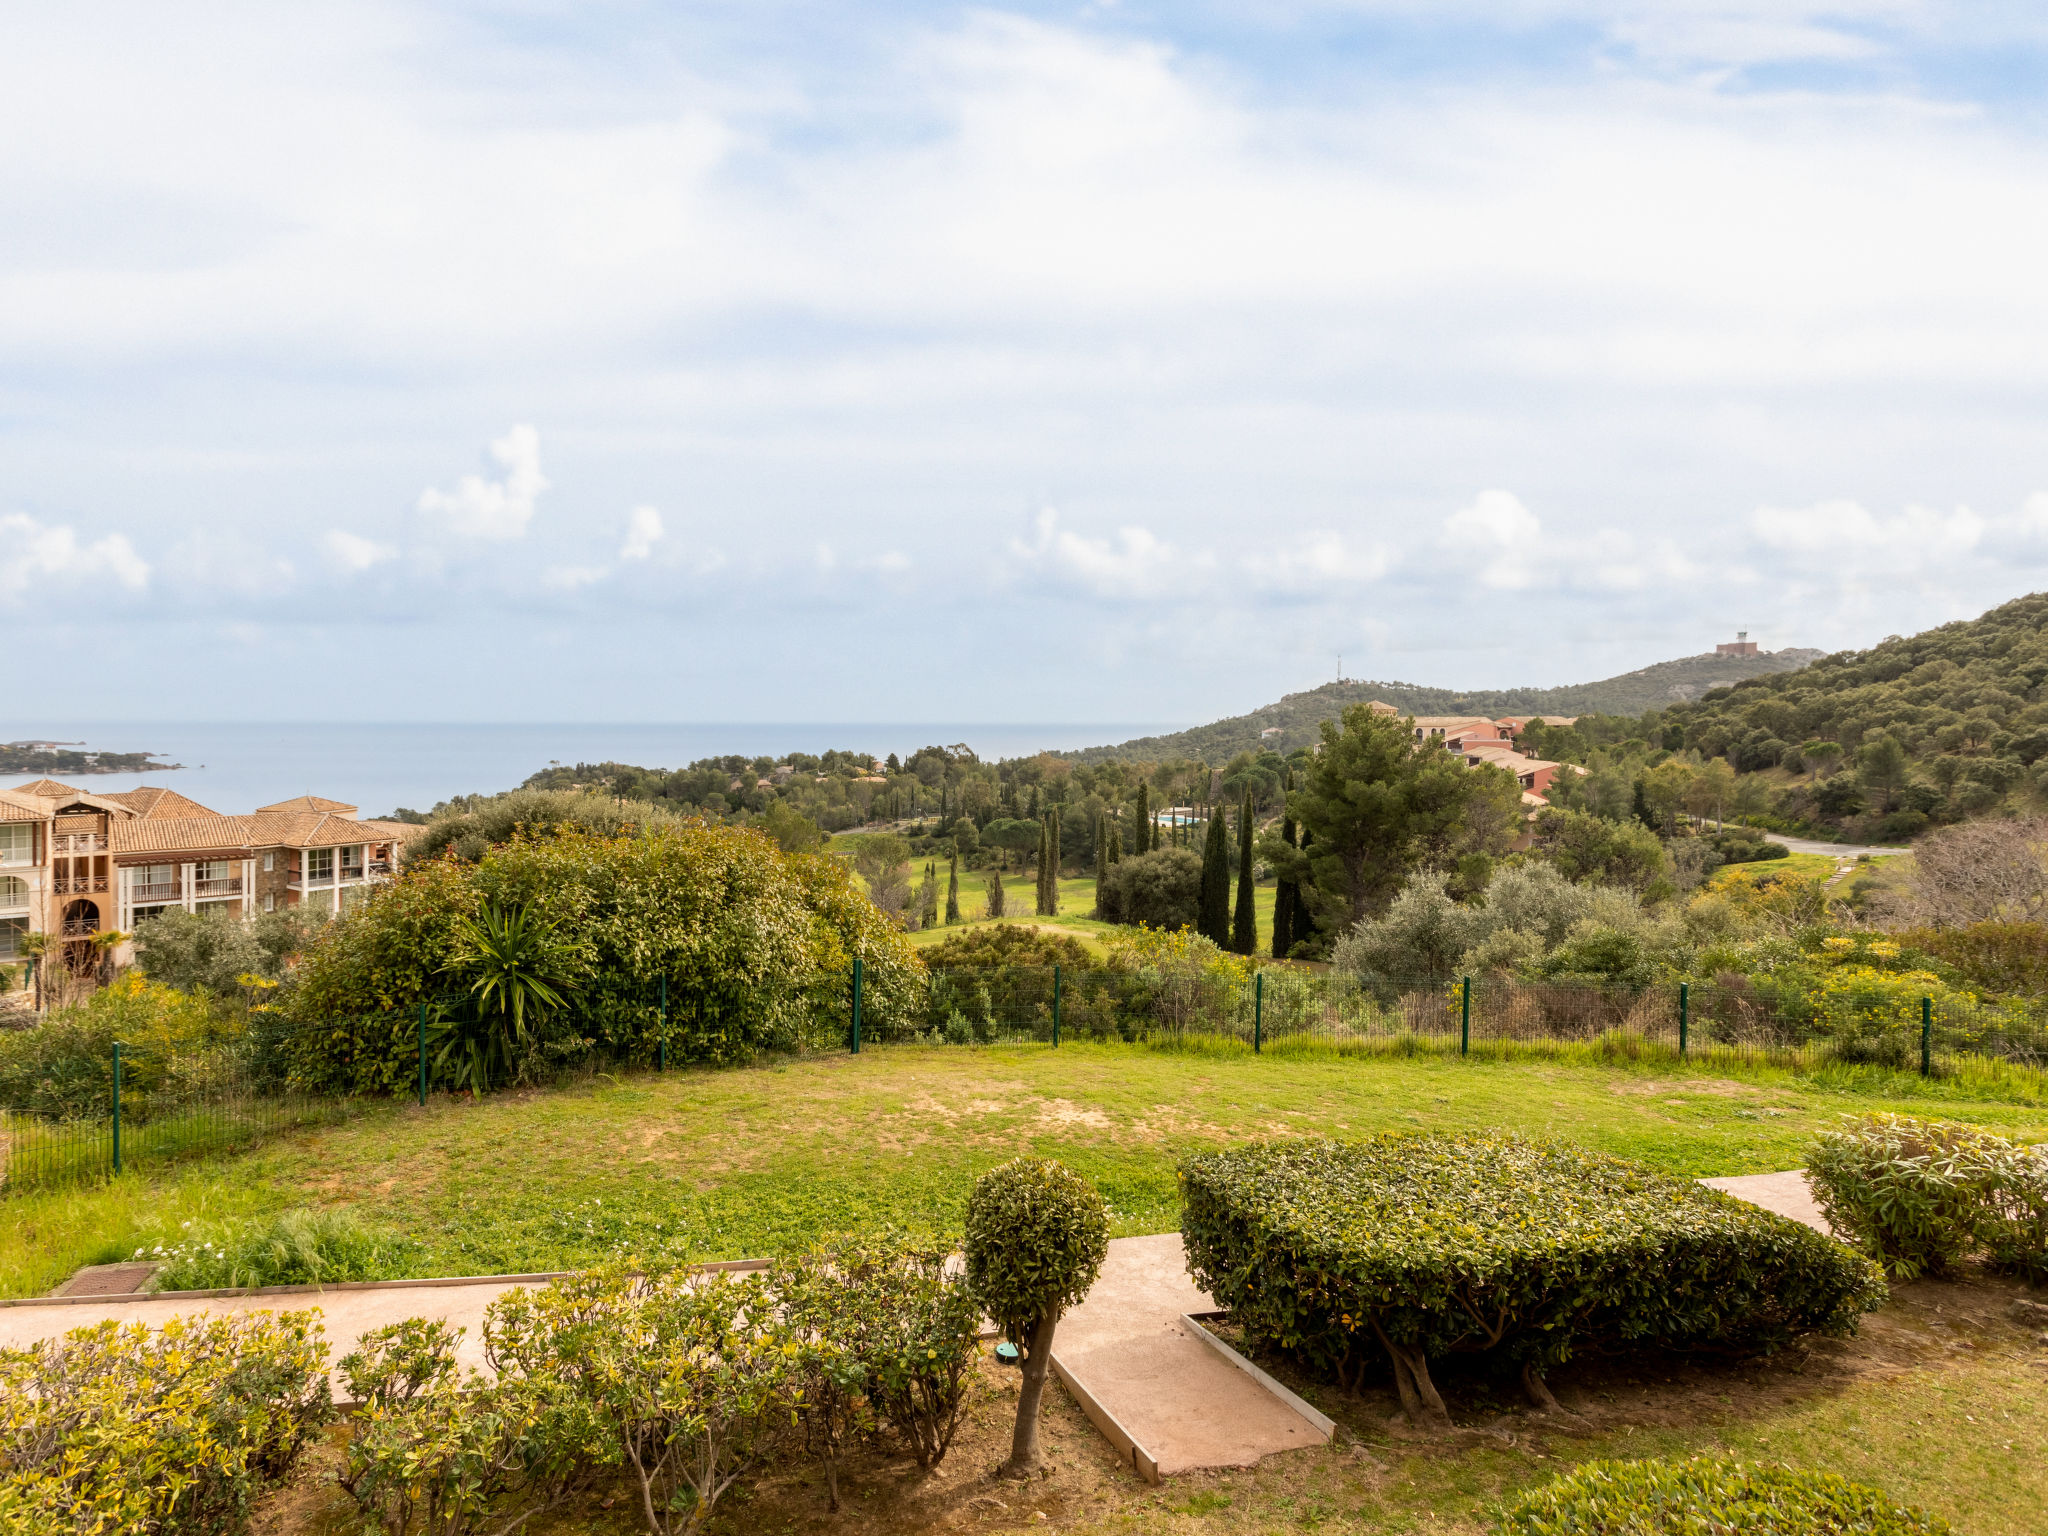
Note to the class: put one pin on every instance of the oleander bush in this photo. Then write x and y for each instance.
(168, 1431)
(1703, 1497)
(295, 1247)
(1526, 1252)
(1922, 1196)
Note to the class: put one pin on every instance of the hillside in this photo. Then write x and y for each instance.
(1969, 700)
(1299, 714)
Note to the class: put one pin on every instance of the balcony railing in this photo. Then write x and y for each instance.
(78, 885)
(78, 842)
(231, 886)
(80, 928)
(161, 890)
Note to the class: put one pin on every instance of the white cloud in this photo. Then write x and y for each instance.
(1318, 563)
(1845, 533)
(643, 532)
(352, 554)
(573, 578)
(494, 509)
(1134, 564)
(34, 554)
(1498, 530)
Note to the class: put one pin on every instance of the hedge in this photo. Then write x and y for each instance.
(1524, 1251)
(171, 1431)
(1702, 1497)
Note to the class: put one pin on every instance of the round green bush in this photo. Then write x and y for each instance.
(1037, 1233)
(1703, 1497)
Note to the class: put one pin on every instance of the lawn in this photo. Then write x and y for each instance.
(738, 1163)
(1938, 1400)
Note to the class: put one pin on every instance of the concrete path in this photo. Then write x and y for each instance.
(1784, 1193)
(1167, 1396)
(1848, 852)
(346, 1312)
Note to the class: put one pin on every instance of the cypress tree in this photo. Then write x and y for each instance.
(953, 890)
(1101, 857)
(1283, 901)
(1141, 829)
(1244, 926)
(1215, 907)
(1052, 875)
(1304, 914)
(995, 893)
(931, 896)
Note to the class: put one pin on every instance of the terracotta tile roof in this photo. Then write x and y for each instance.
(47, 788)
(394, 831)
(307, 803)
(161, 804)
(180, 834)
(309, 829)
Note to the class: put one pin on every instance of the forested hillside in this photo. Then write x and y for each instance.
(1298, 715)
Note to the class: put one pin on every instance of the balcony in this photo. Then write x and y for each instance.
(161, 890)
(232, 886)
(80, 928)
(78, 885)
(78, 842)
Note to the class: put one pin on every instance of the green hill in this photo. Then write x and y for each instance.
(1968, 701)
(1299, 714)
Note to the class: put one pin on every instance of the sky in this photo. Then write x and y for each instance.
(776, 360)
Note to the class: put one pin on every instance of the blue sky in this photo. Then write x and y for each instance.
(1117, 361)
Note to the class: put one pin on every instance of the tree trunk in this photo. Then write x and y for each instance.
(1024, 1457)
(1538, 1389)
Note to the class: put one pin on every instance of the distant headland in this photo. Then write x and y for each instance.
(69, 758)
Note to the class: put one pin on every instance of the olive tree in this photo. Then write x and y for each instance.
(1037, 1233)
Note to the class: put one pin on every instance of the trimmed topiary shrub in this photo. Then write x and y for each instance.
(1414, 1245)
(171, 1430)
(1007, 944)
(1921, 1196)
(1037, 1233)
(1702, 1497)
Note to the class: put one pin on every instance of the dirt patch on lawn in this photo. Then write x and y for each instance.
(1658, 1087)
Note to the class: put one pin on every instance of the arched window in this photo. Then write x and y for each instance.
(13, 894)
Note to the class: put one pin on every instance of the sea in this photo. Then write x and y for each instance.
(235, 768)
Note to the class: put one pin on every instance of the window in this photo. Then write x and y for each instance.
(13, 894)
(154, 882)
(17, 842)
(319, 866)
(12, 931)
(269, 862)
(213, 869)
(270, 903)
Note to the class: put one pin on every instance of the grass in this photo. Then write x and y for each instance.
(739, 1163)
(1077, 900)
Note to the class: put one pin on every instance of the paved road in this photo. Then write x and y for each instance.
(1847, 852)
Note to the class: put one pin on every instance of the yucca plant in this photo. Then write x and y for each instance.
(516, 968)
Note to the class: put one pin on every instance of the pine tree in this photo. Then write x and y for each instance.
(1244, 926)
(953, 890)
(1215, 906)
(1283, 901)
(1141, 828)
(995, 893)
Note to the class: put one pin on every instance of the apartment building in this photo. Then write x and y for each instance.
(75, 864)
(1478, 740)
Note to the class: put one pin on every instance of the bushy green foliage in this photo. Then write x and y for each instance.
(210, 951)
(690, 1381)
(471, 830)
(1528, 1250)
(1999, 958)
(1005, 944)
(296, 1247)
(1704, 1497)
(756, 944)
(63, 1067)
(1920, 1196)
(1037, 1233)
(171, 1430)
(1162, 888)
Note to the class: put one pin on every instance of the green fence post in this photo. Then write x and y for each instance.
(662, 1065)
(1258, 1012)
(423, 1055)
(1684, 1013)
(1055, 1005)
(1926, 1037)
(117, 1106)
(1465, 1017)
(856, 1005)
